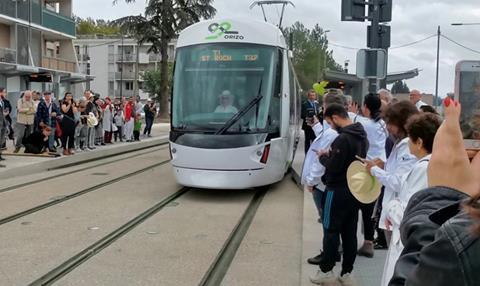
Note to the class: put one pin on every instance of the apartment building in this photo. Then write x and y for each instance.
(36, 48)
(112, 63)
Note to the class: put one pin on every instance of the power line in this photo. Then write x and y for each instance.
(392, 48)
(461, 45)
(342, 46)
(413, 43)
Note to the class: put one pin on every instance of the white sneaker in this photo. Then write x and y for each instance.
(347, 280)
(322, 278)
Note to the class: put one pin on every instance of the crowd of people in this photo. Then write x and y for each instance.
(417, 188)
(44, 125)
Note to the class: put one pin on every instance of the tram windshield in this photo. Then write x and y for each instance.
(215, 83)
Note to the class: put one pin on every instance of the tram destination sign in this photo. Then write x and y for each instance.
(226, 55)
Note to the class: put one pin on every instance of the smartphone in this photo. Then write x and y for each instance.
(310, 115)
(467, 92)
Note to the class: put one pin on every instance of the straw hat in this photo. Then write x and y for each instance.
(92, 121)
(363, 186)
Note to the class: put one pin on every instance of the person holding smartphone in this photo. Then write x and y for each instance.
(310, 108)
(400, 161)
(441, 225)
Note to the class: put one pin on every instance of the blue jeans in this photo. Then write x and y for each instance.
(148, 125)
(51, 139)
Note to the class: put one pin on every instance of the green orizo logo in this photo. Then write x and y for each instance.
(223, 29)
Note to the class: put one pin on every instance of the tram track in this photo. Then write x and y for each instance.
(92, 250)
(77, 194)
(72, 172)
(219, 268)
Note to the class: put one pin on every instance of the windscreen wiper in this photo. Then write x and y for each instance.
(241, 112)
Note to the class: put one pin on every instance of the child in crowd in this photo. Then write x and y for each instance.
(119, 123)
(137, 128)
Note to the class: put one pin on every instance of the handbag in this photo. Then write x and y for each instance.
(58, 129)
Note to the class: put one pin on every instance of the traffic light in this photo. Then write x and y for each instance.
(384, 40)
(385, 11)
(353, 10)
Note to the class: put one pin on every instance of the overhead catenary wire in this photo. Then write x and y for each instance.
(414, 43)
(392, 48)
(460, 45)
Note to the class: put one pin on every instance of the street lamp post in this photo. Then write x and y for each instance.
(465, 24)
(439, 34)
(324, 59)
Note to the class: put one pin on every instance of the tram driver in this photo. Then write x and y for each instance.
(226, 103)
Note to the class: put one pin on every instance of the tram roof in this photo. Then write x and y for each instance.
(232, 30)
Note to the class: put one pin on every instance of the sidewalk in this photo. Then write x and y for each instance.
(368, 271)
(25, 164)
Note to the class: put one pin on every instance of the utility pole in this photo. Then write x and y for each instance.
(135, 83)
(378, 34)
(439, 34)
(375, 26)
(121, 70)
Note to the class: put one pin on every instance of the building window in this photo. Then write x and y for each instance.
(77, 50)
(129, 85)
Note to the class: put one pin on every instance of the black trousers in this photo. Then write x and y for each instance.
(33, 149)
(368, 221)
(309, 137)
(340, 218)
(68, 133)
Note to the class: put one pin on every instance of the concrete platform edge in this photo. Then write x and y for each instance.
(80, 158)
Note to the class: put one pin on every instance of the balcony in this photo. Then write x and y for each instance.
(154, 57)
(59, 64)
(125, 92)
(58, 22)
(8, 56)
(129, 58)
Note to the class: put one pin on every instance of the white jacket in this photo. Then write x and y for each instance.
(377, 135)
(414, 181)
(399, 163)
(312, 169)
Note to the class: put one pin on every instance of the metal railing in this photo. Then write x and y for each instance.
(8, 56)
(59, 64)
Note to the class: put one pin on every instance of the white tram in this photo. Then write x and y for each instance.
(235, 105)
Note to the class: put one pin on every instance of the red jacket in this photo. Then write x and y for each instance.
(128, 111)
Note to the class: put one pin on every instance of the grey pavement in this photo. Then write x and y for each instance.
(367, 272)
(41, 241)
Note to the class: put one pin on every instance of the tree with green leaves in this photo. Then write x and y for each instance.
(162, 22)
(90, 26)
(311, 56)
(400, 87)
(152, 83)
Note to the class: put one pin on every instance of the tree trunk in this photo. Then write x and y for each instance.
(164, 91)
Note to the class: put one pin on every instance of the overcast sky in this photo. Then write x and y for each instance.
(412, 20)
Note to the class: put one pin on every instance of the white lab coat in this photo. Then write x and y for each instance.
(420, 104)
(399, 163)
(226, 109)
(414, 181)
(377, 135)
(312, 169)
